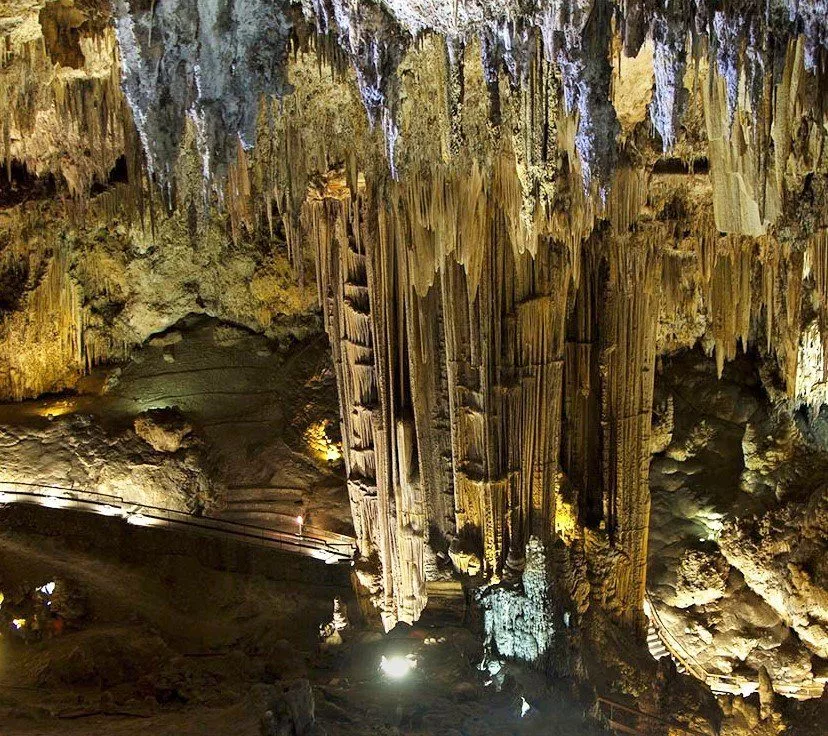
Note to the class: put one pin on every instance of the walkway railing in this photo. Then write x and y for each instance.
(719, 683)
(624, 719)
(312, 541)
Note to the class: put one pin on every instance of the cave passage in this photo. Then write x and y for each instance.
(402, 367)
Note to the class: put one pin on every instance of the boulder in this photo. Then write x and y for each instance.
(163, 429)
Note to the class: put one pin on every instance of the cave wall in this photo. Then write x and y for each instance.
(502, 247)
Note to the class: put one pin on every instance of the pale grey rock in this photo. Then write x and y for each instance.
(518, 620)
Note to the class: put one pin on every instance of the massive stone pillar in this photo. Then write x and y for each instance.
(627, 366)
(364, 317)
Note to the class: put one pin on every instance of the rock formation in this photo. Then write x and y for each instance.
(513, 212)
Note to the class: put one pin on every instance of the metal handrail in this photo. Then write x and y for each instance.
(626, 709)
(311, 539)
(716, 681)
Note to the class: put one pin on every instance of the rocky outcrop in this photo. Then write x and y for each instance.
(782, 554)
(500, 255)
(291, 712)
(738, 535)
(163, 429)
(76, 452)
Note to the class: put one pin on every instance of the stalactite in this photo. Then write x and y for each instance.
(56, 121)
(375, 45)
(582, 54)
(818, 257)
(48, 332)
(670, 25)
(782, 288)
(730, 298)
(627, 367)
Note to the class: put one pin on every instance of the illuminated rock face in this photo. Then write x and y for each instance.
(738, 527)
(519, 623)
(500, 255)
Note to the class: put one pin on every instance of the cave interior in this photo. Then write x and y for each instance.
(413, 367)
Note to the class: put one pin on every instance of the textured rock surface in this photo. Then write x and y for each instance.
(220, 429)
(76, 452)
(510, 221)
(519, 622)
(164, 429)
(737, 533)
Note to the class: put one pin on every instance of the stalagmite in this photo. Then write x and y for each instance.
(500, 255)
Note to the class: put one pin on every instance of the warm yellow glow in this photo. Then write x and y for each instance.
(2, 598)
(320, 445)
(18, 623)
(57, 408)
(566, 518)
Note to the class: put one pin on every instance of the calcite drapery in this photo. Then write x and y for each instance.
(451, 353)
(487, 309)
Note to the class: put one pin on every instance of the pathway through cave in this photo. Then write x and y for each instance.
(263, 419)
(701, 488)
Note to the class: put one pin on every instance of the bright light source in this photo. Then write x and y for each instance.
(18, 623)
(300, 520)
(396, 667)
(107, 510)
(140, 520)
(748, 688)
(47, 589)
(524, 707)
(53, 502)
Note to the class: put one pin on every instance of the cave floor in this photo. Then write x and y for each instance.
(250, 401)
(169, 634)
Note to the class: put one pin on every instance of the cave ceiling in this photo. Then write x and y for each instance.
(504, 216)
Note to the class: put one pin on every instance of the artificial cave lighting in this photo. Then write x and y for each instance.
(398, 666)
(139, 519)
(500, 324)
(57, 409)
(524, 707)
(320, 444)
(55, 502)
